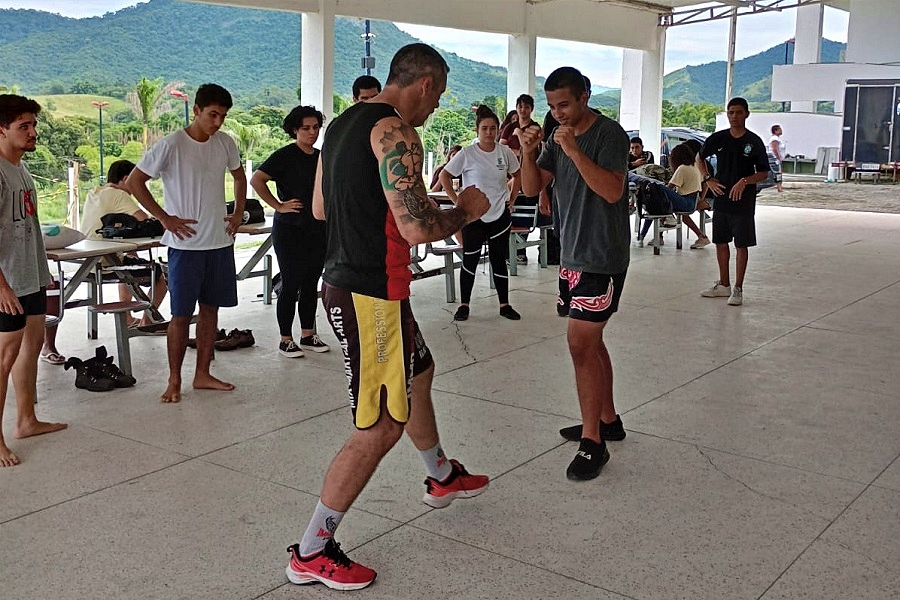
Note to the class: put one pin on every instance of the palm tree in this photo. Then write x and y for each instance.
(149, 98)
(247, 137)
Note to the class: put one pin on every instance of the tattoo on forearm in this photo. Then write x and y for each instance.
(401, 172)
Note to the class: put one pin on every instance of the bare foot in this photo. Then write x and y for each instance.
(208, 382)
(7, 458)
(35, 427)
(172, 393)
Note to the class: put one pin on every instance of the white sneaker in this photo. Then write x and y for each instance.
(737, 297)
(669, 222)
(717, 291)
(700, 243)
(654, 244)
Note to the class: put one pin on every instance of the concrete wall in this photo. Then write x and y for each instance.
(804, 133)
(823, 81)
(873, 34)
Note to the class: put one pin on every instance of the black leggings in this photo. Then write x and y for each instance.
(474, 235)
(301, 258)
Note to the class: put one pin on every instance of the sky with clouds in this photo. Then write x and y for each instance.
(687, 44)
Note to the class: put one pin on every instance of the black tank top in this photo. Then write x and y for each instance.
(365, 252)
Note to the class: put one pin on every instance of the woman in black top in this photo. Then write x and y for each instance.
(298, 238)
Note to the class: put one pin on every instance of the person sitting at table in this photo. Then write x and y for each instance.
(114, 198)
(638, 157)
(436, 185)
(682, 190)
(486, 165)
(298, 238)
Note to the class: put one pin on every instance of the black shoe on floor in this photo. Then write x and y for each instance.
(510, 313)
(462, 313)
(588, 461)
(610, 432)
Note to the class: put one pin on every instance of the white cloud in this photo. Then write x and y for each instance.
(68, 8)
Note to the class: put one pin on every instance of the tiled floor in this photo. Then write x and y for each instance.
(761, 460)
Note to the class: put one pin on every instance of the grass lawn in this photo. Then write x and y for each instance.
(79, 105)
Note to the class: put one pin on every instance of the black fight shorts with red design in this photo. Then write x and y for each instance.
(593, 297)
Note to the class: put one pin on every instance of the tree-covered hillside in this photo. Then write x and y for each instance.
(254, 53)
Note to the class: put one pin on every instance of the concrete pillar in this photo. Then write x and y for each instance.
(317, 59)
(520, 66)
(807, 44)
(640, 106)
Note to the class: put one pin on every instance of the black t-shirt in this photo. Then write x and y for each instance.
(366, 253)
(736, 158)
(646, 155)
(294, 174)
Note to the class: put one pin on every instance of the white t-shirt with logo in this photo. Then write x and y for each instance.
(487, 171)
(779, 144)
(193, 176)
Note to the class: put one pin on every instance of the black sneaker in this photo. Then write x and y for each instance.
(313, 343)
(462, 313)
(290, 349)
(588, 461)
(610, 432)
(510, 313)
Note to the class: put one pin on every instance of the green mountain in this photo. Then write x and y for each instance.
(251, 52)
(255, 54)
(752, 77)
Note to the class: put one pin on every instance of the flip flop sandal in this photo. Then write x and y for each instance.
(54, 358)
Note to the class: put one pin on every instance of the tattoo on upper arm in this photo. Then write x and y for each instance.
(401, 172)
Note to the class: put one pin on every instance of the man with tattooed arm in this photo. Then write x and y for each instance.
(369, 190)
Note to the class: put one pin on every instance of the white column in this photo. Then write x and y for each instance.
(640, 106)
(729, 64)
(520, 66)
(317, 59)
(807, 44)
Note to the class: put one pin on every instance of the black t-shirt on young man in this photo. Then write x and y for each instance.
(294, 174)
(736, 158)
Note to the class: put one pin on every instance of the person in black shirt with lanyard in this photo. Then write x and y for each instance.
(742, 163)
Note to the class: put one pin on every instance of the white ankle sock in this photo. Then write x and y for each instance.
(321, 528)
(436, 463)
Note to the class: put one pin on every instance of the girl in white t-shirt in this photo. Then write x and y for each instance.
(776, 147)
(487, 165)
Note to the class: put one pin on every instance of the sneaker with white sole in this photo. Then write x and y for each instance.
(700, 243)
(330, 567)
(290, 349)
(459, 484)
(313, 343)
(717, 291)
(737, 297)
(653, 244)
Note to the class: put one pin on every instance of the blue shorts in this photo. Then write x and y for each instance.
(204, 276)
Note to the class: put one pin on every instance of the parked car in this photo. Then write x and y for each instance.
(672, 136)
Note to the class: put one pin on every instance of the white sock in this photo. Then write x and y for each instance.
(436, 463)
(321, 528)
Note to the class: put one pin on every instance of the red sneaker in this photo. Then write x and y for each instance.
(330, 566)
(459, 484)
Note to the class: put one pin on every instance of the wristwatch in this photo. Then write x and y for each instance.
(707, 177)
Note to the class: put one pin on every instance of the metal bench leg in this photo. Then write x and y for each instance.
(678, 243)
(267, 279)
(655, 237)
(449, 278)
(122, 342)
(543, 248)
(513, 265)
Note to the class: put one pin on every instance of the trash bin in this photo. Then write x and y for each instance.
(837, 171)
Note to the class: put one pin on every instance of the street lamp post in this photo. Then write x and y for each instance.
(100, 106)
(183, 96)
